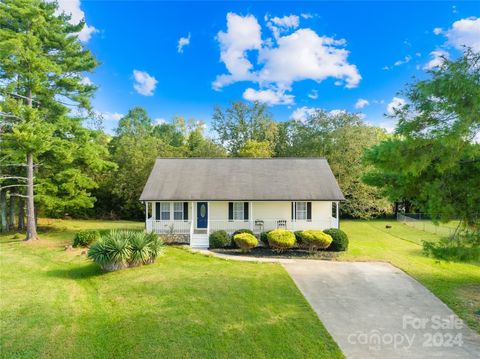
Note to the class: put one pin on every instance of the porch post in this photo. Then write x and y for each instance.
(338, 214)
(146, 215)
(208, 218)
(192, 218)
(250, 215)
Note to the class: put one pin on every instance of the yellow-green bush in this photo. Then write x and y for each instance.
(245, 241)
(315, 239)
(281, 239)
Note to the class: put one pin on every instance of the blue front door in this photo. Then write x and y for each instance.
(202, 214)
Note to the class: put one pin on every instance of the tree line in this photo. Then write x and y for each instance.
(57, 161)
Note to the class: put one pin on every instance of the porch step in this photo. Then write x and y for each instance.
(199, 240)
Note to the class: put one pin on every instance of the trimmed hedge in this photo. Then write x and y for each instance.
(85, 238)
(218, 239)
(339, 239)
(280, 239)
(315, 239)
(264, 238)
(245, 241)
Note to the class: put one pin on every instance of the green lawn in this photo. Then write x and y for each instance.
(456, 284)
(56, 304)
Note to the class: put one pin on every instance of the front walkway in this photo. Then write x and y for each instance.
(375, 310)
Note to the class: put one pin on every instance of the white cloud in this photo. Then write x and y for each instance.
(405, 60)
(269, 96)
(303, 55)
(159, 121)
(243, 34)
(72, 7)
(396, 104)
(437, 58)
(437, 30)
(300, 55)
(361, 103)
(182, 42)
(86, 81)
(307, 15)
(313, 94)
(281, 24)
(303, 113)
(109, 116)
(465, 32)
(144, 83)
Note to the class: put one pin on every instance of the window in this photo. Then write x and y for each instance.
(238, 211)
(165, 211)
(334, 209)
(178, 211)
(301, 210)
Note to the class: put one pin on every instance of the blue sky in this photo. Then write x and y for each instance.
(293, 56)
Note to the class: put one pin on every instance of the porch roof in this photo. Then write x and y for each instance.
(241, 179)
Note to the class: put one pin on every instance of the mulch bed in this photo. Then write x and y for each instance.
(268, 253)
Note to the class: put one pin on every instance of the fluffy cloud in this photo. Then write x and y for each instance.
(302, 113)
(109, 116)
(182, 42)
(437, 58)
(269, 96)
(405, 60)
(361, 103)
(72, 8)
(281, 24)
(86, 81)
(465, 32)
(396, 104)
(243, 34)
(144, 83)
(313, 94)
(437, 30)
(300, 55)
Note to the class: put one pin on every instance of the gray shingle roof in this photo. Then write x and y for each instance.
(254, 179)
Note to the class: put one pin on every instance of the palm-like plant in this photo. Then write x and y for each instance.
(118, 249)
(139, 246)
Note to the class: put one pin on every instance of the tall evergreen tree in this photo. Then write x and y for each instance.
(42, 83)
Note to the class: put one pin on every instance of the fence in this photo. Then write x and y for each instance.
(424, 222)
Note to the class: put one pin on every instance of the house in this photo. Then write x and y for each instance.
(194, 197)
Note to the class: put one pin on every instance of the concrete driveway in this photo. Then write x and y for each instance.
(374, 310)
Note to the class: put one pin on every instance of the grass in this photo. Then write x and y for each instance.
(456, 284)
(57, 304)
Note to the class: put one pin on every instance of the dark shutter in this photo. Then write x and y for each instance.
(185, 211)
(157, 211)
(309, 211)
(245, 211)
(230, 211)
(293, 211)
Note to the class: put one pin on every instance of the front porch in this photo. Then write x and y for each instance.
(197, 219)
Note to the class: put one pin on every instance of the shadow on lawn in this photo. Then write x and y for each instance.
(88, 271)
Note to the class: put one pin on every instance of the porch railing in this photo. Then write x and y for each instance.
(168, 227)
(262, 225)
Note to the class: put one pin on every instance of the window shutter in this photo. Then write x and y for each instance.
(230, 211)
(309, 211)
(157, 211)
(185, 211)
(293, 211)
(245, 211)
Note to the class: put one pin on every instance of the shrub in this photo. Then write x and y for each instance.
(239, 231)
(245, 241)
(465, 248)
(298, 237)
(118, 249)
(85, 238)
(218, 239)
(315, 239)
(281, 239)
(339, 239)
(264, 238)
